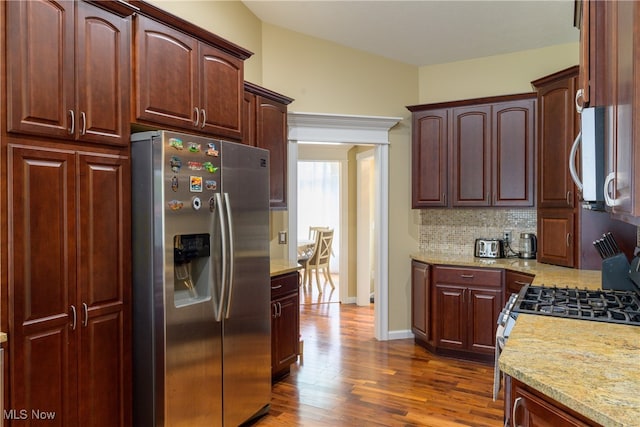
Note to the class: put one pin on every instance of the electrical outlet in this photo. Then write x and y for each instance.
(507, 236)
(282, 237)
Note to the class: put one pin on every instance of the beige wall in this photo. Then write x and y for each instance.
(493, 75)
(324, 77)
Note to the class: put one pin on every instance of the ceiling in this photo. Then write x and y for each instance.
(426, 32)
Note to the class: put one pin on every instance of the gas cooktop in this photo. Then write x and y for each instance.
(614, 306)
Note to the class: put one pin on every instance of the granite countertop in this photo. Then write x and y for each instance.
(591, 367)
(283, 266)
(545, 274)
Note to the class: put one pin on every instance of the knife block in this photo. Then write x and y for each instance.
(615, 273)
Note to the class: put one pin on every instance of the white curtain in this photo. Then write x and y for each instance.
(319, 201)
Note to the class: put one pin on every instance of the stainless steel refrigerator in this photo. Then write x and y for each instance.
(201, 286)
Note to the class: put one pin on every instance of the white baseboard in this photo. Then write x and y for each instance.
(400, 335)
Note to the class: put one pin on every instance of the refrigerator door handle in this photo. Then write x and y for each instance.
(231, 258)
(223, 275)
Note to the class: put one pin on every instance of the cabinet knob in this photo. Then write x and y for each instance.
(569, 197)
(568, 239)
(204, 118)
(197, 114)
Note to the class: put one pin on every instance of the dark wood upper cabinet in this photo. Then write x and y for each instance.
(430, 145)
(68, 72)
(471, 156)
(265, 113)
(622, 133)
(166, 75)
(182, 82)
(557, 129)
(477, 152)
(513, 144)
(590, 20)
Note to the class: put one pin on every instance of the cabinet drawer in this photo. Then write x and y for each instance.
(468, 276)
(284, 284)
(514, 281)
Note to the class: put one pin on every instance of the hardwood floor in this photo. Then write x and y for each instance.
(347, 378)
(309, 293)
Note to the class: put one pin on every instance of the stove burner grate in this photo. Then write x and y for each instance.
(601, 305)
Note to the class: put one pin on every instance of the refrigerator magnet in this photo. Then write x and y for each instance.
(195, 184)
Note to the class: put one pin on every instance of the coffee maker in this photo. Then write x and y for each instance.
(528, 246)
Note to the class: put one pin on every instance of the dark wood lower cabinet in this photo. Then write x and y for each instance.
(420, 302)
(467, 304)
(514, 281)
(527, 407)
(69, 283)
(285, 323)
(454, 309)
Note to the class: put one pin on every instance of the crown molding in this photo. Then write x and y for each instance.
(317, 127)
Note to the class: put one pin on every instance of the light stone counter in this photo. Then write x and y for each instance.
(282, 266)
(591, 367)
(546, 274)
(3, 337)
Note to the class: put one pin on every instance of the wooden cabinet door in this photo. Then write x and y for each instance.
(484, 306)
(514, 281)
(221, 92)
(623, 130)
(104, 287)
(532, 410)
(420, 300)
(249, 119)
(40, 68)
(556, 132)
(556, 237)
(271, 134)
(471, 156)
(166, 75)
(103, 82)
(513, 144)
(287, 331)
(451, 316)
(430, 143)
(42, 282)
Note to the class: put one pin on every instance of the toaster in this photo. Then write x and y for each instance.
(489, 248)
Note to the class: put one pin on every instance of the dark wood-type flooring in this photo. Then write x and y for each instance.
(347, 378)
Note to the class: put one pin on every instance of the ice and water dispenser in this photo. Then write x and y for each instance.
(191, 263)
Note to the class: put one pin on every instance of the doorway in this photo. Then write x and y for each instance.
(352, 130)
(366, 228)
(319, 190)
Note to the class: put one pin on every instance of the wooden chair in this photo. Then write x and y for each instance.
(306, 249)
(320, 258)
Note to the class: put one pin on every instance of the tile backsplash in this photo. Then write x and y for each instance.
(454, 230)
